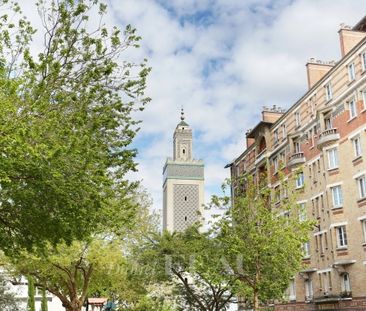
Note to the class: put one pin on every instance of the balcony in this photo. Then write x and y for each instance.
(261, 156)
(297, 158)
(327, 137)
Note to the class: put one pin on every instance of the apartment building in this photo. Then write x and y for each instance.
(322, 137)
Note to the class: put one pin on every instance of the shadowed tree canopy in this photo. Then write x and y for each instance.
(65, 121)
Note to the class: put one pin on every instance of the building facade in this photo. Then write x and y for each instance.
(183, 184)
(322, 137)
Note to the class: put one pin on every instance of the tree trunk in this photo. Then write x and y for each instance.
(255, 300)
(74, 306)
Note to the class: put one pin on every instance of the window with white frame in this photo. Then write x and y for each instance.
(332, 158)
(297, 119)
(361, 181)
(306, 249)
(292, 290)
(363, 60)
(302, 212)
(341, 236)
(351, 71)
(352, 108)
(275, 164)
(327, 122)
(284, 132)
(337, 196)
(282, 159)
(363, 222)
(275, 136)
(346, 284)
(309, 289)
(356, 142)
(297, 147)
(300, 180)
(328, 92)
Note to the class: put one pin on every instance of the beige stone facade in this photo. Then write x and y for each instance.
(324, 136)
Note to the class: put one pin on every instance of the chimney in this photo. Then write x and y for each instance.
(349, 38)
(249, 140)
(272, 114)
(316, 69)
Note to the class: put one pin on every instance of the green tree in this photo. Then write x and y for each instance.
(71, 272)
(192, 262)
(44, 301)
(263, 243)
(65, 123)
(31, 303)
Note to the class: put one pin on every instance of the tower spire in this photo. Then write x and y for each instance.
(182, 117)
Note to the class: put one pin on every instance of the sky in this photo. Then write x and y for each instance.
(222, 60)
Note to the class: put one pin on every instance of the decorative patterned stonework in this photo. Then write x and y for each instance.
(186, 205)
(188, 171)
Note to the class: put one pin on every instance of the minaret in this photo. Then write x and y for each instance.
(183, 186)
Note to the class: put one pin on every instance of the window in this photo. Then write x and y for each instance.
(277, 194)
(309, 289)
(306, 249)
(337, 196)
(275, 164)
(332, 158)
(284, 132)
(302, 212)
(311, 138)
(282, 159)
(357, 146)
(328, 92)
(327, 122)
(364, 99)
(275, 134)
(352, 109)
(351, 71)
(346, 284)
(292, 290)
(300, 180)
(362, 186)
(297, 119)
(363, 60)
(296, 147)
(341, 236)
(363, 222)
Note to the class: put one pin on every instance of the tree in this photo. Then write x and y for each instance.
(263, 243)
(31, 303)
(192, 262)
(44, 301)
(65, 123)
(7, 299)
(71, 272)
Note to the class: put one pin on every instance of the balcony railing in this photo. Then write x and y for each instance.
(296, 159)
(328, 136)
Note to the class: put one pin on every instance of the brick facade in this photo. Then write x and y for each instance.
(323, 135)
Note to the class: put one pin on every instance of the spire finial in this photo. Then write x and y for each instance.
(182, 117)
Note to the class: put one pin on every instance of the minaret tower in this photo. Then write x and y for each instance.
(183, 186)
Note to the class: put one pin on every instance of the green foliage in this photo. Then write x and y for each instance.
(65, 124)
(263, 243)
(31, 303)
(44, 301)
(191, 262)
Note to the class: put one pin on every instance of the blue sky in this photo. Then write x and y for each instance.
(222, 60)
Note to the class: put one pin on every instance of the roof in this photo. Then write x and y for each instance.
(251, 134)
(361, 25)
(182, 123)
(97, 301)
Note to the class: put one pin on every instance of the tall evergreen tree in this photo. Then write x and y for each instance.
(44, 302)
(31, 303)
